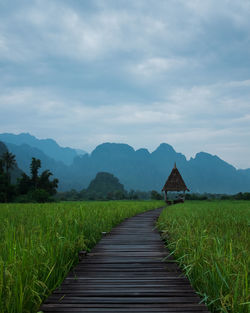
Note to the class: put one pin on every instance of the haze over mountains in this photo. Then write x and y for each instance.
(136, 169)
(47, 146)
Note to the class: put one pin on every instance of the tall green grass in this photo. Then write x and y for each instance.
(211, 242)
(39, 243)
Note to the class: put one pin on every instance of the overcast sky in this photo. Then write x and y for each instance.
(140, 72)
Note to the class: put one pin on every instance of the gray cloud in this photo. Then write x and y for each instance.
(129, 71)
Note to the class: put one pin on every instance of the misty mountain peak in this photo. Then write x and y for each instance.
(204, 156)
(165, 148)
(17, 139)
(49, 146)
(113, 149)
(142, 152)
(209, 159)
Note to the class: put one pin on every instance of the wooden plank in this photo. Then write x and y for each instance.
(117, 281)
(121, 300)
(180, 306)
(129, 270)
(122, 275)
(121, 310)
(125, 308)
(129, 253)
(78, 274)
(121, 286)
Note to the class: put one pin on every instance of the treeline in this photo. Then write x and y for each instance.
(209, 196)
(238, 196)
(33, 188)
(74, 195)
(87, 195)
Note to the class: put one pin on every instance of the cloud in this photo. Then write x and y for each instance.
(199, 117)
(139, 72)
(152, 69)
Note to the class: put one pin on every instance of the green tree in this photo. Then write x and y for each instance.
(7, 191)
(45, 183)
(40, 195)
(3, 182)
(37, 188)
(8, 163)
(24, 184)
(155, 195)
(119, 195)
(34, 167)
(1, 167)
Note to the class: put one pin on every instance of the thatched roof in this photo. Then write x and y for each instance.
(175, 182)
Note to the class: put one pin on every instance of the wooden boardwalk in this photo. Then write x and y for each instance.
(125, 273)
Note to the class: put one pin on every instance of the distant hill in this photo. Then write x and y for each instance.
(48, 146)
(139, 169)
(105, 184)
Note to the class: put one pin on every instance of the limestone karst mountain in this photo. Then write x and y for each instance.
(138, 169)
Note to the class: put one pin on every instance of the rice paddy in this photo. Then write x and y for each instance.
(39, 243)
(211, 242)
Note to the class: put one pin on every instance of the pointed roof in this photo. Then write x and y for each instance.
(175, 182)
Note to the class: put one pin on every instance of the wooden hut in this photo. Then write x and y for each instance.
(175, 183)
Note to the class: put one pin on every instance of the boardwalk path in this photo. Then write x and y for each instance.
(125, 273)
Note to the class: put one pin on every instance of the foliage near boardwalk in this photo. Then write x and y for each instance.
(211, 242)
(40, 242)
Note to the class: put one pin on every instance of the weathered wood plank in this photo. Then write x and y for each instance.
(130, 299)
(180, 306)
(122, 286)
(125, 308)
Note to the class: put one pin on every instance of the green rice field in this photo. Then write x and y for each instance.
(211, 242)
(39, 243)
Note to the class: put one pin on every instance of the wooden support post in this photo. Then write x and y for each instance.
(165, 195)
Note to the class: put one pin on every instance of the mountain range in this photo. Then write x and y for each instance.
(48, 146)
(136, 169)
